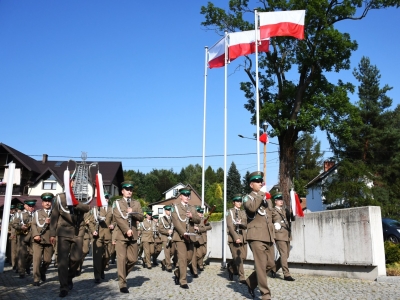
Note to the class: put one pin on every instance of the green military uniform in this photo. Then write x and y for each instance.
(68, 225)
(42, 248)
(236, 221)
(166, 230)
(260, 235)
(200, 246)
(147, 239)
(183, 243)
(87, 242)
(13, 239)
(157, 240)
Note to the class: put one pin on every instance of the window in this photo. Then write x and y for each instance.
(160, 211)
(49, 185)
(175, 192)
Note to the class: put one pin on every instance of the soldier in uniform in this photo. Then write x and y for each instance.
(147, 233)
(199, 249)
(87, 242)
(13, 237)
(260, 235)
(41, 239)
(157, 240)
(282, 237)
(17, 214)
(9, 235)
(184, 217)
(166, 229)
(236, 221)
(101, 218)
(22, 226)
(68, 225)
(126, 212)
(203, 228)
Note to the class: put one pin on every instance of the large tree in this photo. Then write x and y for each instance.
(234, 186)
(295, 94)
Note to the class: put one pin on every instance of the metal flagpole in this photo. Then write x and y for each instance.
(6, 214)
(225, 146)
(204, 129)
(257, 96)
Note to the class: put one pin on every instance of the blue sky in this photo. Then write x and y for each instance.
(124, 81)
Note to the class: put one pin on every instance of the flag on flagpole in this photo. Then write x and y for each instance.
(282, 23)
(216, 54)
(242, 43)
(295, 204)
(100, 197)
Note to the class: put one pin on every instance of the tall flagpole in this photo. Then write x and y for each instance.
(257, 96)
(204, 128)
(225, 150)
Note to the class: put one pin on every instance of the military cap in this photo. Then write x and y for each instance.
(30, 202)
(127, 184)
(277, 197)
(237, 198)
(107, 196)
(12, 206)
(20, 206)
(149, 213)
(155, 217)
(257, 175)
(47, 196)
(200, 210)
(167, 207)
(185, 191)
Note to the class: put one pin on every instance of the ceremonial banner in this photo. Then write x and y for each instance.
(216, 55)
(242, 43)
(100, 198)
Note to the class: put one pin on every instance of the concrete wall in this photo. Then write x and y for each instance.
(342, 243)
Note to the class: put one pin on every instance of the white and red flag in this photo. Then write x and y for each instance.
(216, 54)
(282, 23)
(100, 197)
(295, 203)
(242, 43)
(69, 194)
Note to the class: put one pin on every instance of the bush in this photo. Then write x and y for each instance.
(392, 253)
(215, 217)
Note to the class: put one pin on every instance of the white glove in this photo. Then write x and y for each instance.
(277, 226)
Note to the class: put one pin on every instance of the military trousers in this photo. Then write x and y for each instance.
(42, 254)
(199, 251)
(157, 251)
(85, 250)
(24, 254)
(168, 253)
(101, 256)
(127, 255)
(14, 252)
(239, 254)
(69, 257)
(263, 253)
(148, 249)
(184, 252)
(284, 250)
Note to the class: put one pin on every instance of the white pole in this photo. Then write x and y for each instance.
(204, 130)
(225, 151)
(6, 215)
(257, 96)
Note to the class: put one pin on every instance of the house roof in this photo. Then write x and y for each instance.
(321, 176)
(29, 163)
(173, 187)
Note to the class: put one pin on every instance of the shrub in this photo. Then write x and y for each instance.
(215, 217)
(392, 252)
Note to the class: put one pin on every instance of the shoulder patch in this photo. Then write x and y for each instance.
(172, 208)
(247, 198)
(227, 213)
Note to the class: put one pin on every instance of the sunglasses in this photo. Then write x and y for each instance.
(186, 194)
(258, 180)
(129, 189)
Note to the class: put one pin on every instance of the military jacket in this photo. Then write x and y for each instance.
(100, 219)
(39, 224)
(124, 221)
(67, 221)
(157, 235)
(202, 232)
(236, 231)
(184, 224)
(280, 217)
(23, 218)
(147, 228)
(11, 228)
(164, 225)
(259, 217)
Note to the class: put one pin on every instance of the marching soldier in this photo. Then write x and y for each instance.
(166, 229)
(260, 235)
(282, 237)
(184, 217)
(41, 239)
(87, 241)
(13, 238)
(22, 226)
(126, 212)
(68, 225)
(99, 226)
(199, 249)
(236, 221)
(10, 236)
(147, 240)
(157, 240)
(203, 228)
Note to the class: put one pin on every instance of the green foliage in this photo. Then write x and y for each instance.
(216, 217)
(392, 252)
(234, 185)
(246, 184)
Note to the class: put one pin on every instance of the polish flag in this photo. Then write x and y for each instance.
(295, 203)
(216, 55)
(69, 194)
(100, 197)
(242, 43)
(282, 23)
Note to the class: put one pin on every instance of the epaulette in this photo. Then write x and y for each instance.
(247, 198)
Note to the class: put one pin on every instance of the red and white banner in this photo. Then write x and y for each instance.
(295, 203)
(216, 55)
(100, 198)
(282, 23)
(69, 194)
(242, 43)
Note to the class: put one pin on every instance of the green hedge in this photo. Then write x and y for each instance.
(215, 217)
(392, 252)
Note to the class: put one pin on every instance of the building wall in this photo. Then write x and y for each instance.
(314, 199)
(170, 194)
(38, 190)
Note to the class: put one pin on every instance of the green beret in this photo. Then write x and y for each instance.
(277, 197)
(256, 176)
(30, 202)
(127, 184)
(237, 198)
(155, 217)
(47, 196)
(185, 191)
(167, 207)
